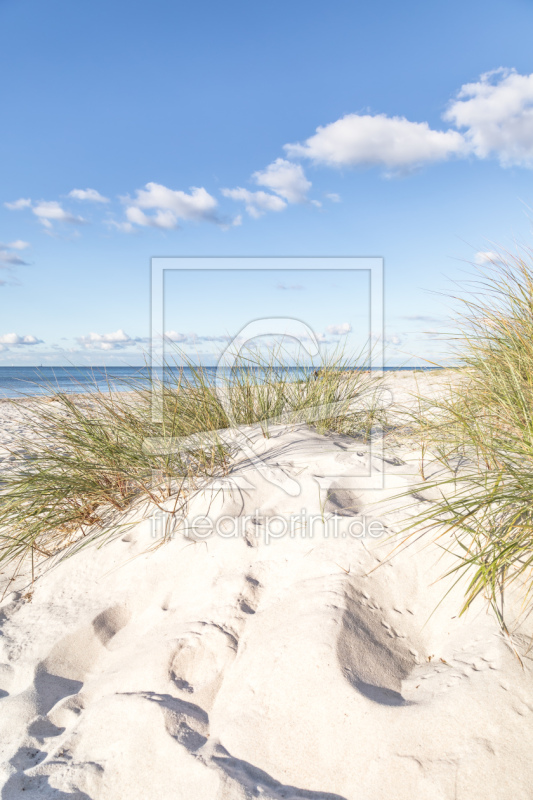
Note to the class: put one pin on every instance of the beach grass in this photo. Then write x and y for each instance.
(481, 433)
(82, 460)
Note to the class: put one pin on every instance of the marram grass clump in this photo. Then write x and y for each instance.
(481, 431)
(82, 461)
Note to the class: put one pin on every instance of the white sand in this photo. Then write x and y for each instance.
(242, 667)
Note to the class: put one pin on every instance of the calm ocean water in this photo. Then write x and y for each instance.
(25, 381)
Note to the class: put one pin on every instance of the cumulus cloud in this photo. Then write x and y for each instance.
(107, 341)
(366, 140)
(285, 179)
(124, 227)
(488, 257)
(235, 222)
(256, 203)
(88, 194)
(51, 211)
(170, 206)
(497, 115)
(161, 219)
(393, 338)
(174, 336)
(46, 212)
(339, 330)
(492, 117)
(8, 259)
(17, 205)
(334, 197)
(8, 340)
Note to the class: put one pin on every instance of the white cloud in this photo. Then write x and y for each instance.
(15, 339)
(11, 259)
(124, 227)
(334, 197)
(497, 113)
(286, 179)
(107, 341)
(493, 117)
(170, 206)
(393, 338)
(161, 219)
(488, 257)
(52, 211)
(88, 194)
(47, 212)
(391, 142)
(174, 336)
(339, 330)
(17, 205)
(257, 203)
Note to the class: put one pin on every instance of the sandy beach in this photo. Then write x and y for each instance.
(275, 646)
(266, 400)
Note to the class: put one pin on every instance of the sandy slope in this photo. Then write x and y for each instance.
(261, 665)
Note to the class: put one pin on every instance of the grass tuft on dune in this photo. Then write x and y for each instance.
(82, 461)
(481, 432)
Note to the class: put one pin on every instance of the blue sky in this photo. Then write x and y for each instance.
(316, 292)
(133, 130)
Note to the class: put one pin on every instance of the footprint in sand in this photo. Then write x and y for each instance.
(372, 658)
(201, 657)
(52, 700)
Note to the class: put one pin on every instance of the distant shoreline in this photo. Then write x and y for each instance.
(21, 383)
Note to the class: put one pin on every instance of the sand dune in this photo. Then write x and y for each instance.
(305, 664)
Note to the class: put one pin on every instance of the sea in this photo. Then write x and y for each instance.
(31, 381)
